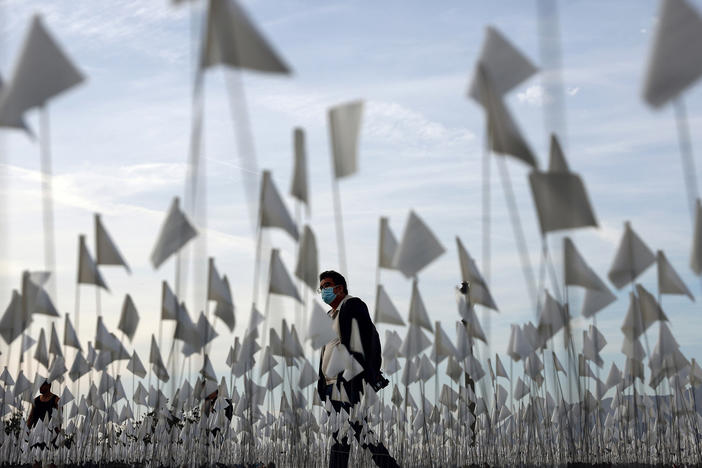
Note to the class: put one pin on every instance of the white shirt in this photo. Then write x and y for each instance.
(334, 342)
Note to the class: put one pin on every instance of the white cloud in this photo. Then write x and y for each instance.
(573, 90)
(534, 95)
(394, 123)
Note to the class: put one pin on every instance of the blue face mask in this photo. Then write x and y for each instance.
(328, 295)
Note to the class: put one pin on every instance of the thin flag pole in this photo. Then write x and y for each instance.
(338, 218)
(47, 198)
(688, 161)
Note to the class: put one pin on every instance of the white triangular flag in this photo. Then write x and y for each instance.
(595, 300)
(442, 347)
(344, 131)
(54, 343)
(27, 342)
(156, 361)
(36, 299)
(129, 319)
(217, 290)
(231, 38)
(15, 319)
(577, 271)
(675, 62)
(385, 310)
(22, 384)
(308, 375)
(273, 212)
(186, 330)
(307, 267)
(479, 292)
(553, 316)
(10, 120)
(642, 313)
(506, 66)
(106, 251)
(207, 370)
(319, 328)
(169, 303)
(280, 281)
(135, 366)
(387, 245)
(88, 272)
(298, 187)
(175, 232)
(499, 368)
(42, 71)
(57, 369)
(79, 368)
(504, 136)
(41, 354)
(104, 339)
(224, 310)
(556, 161)
(561, 201)
(66, 397)
(418, 313)
(414, 343)
(669, 282)
(633, 257)
(69, 335)
(418, 247)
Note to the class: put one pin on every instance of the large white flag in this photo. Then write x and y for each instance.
(156, 361)
(675, 61)
(273, 212)
(506, 66)
(387, 245)
(307, 267)
(669, 282)
(42, 71)
(280, 280)
(418, 312)
(232, 39)
(106, 251)
(70, 338)
(175, 232)
(15, 319)
(129, 319)
(633, 258)
(344, 131)
(298, 187)
(577, 271)
(88, 272)
(385, 310)
(479, 291)
(418, 247)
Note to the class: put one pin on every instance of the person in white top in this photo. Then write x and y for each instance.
(356, 339)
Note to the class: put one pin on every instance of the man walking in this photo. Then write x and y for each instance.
(355, 330)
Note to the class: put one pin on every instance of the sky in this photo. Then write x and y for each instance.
(119, 146)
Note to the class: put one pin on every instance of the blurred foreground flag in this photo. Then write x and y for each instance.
(232, 39)
(42, 71)
(176, 231)
(344, 130)
(418, 247)
(675, 61)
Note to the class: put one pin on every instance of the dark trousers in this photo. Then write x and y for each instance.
(340, 450)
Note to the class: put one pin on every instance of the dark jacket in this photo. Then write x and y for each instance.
(353, 308)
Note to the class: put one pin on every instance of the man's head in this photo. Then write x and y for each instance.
(45, 388)
(332, 286)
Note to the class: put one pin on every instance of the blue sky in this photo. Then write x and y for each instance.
(119, 144)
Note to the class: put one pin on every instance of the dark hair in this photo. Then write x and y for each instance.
(335, 276)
